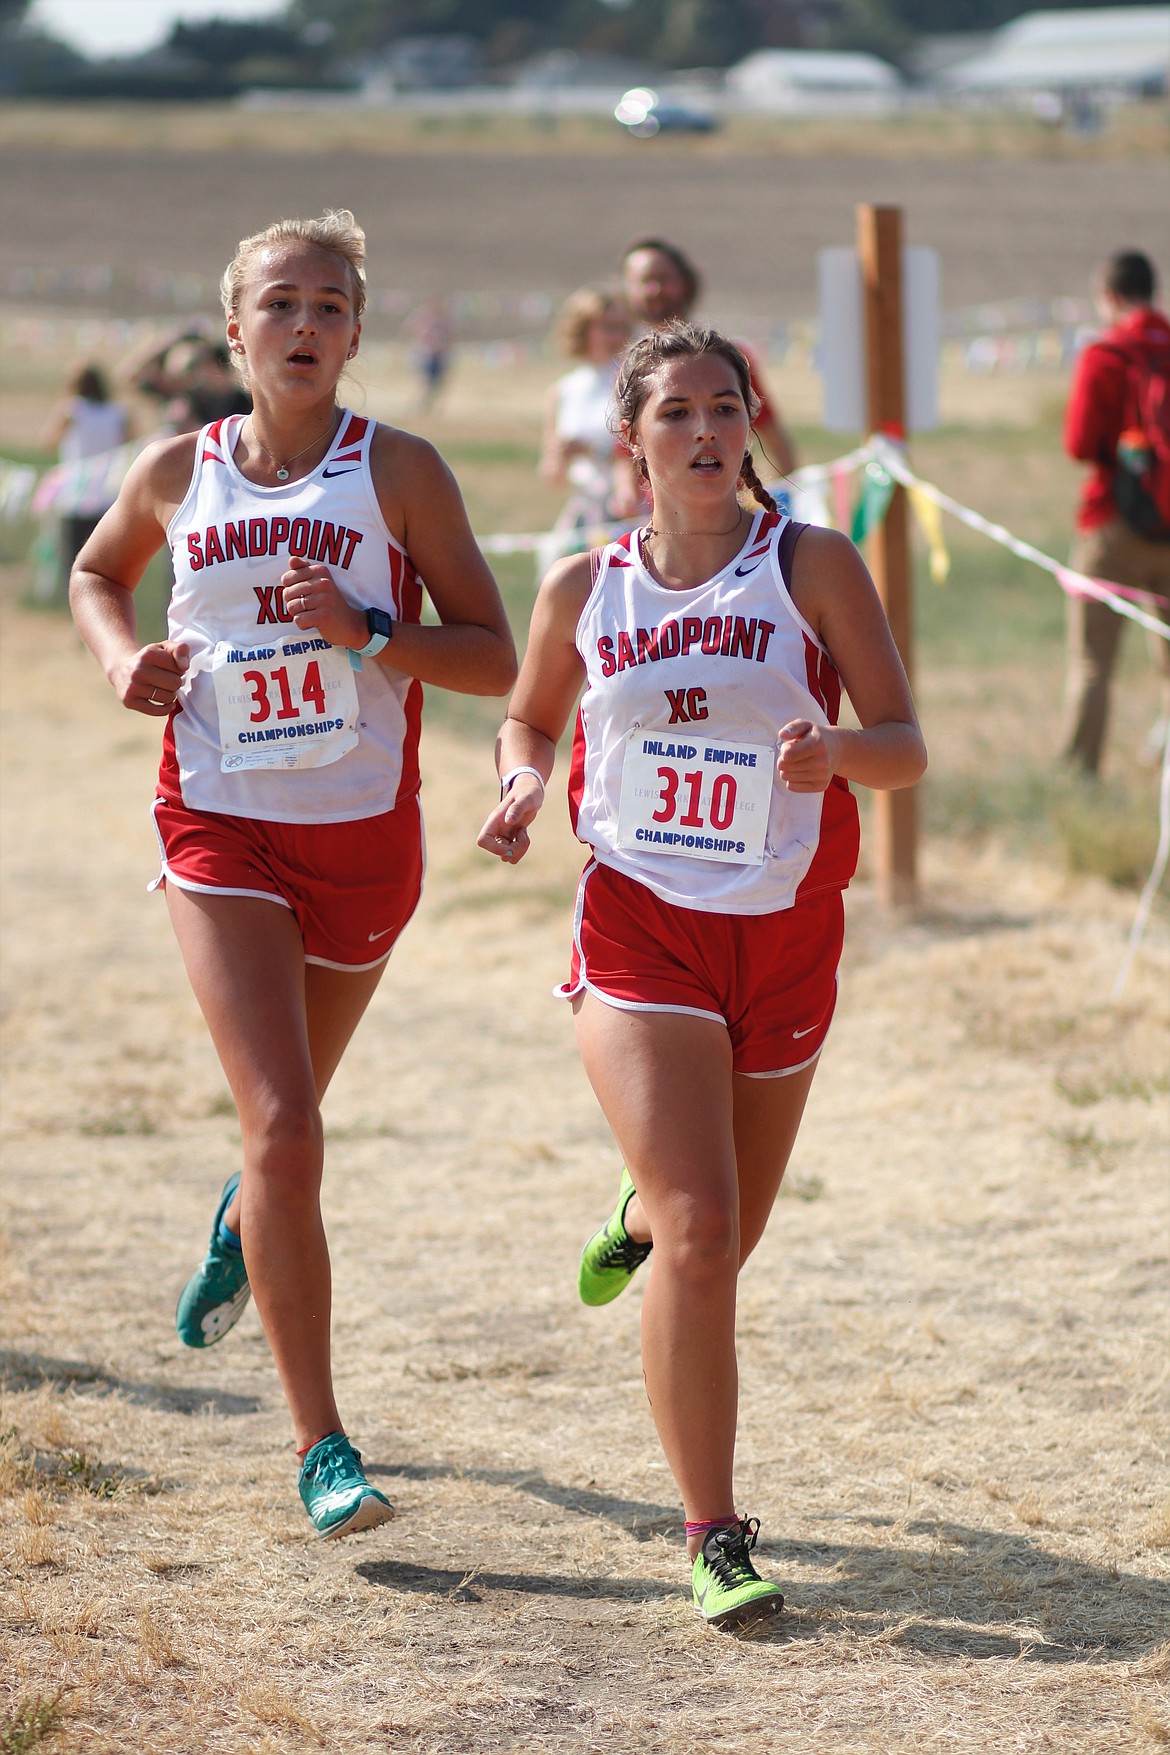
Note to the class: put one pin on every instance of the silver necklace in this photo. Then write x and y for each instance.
(282, 468)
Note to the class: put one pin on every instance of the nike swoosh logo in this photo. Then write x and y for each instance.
(740, 572)
(797, 1034)
(329, 473)
(377, 935)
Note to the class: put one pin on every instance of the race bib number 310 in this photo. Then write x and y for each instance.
(292, 704)
(705, 799)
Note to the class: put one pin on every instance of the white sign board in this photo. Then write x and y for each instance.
(842, 344)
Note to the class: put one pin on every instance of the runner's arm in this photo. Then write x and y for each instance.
(110, 567)
(472, 651)
(832, 589)
(549, 683)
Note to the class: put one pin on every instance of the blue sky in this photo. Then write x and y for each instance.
(123, 27)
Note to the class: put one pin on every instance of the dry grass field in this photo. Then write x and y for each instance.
(953, 1337)
(510, 210)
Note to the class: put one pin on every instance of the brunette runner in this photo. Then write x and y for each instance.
(710, 781)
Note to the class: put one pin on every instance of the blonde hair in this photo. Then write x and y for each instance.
(578, 313)
(336, 231)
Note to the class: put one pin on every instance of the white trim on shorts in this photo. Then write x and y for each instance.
(584, 985)
(362, 968)
(351, 968)
(786, 1072)
(637, 1005)
(631, 1005)
(563, 990)
(215, 889)
(167, 875)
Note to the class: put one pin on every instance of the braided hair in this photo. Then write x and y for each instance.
(680, 340)
(754, 485)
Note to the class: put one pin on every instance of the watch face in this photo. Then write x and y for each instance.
(379, 622)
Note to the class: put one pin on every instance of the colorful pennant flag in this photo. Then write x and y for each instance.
(929, 516)
(877, 490)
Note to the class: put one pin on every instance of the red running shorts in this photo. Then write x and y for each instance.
(770, 978)
(352, 886)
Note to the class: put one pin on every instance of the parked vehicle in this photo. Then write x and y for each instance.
(643, 113)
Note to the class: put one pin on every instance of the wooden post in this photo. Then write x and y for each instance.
(879, 247)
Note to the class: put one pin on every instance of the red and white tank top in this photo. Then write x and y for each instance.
(673, 778)
(273, 723)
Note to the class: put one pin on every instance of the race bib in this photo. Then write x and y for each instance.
(291, 704)
(697, 796)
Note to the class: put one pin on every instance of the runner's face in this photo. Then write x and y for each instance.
(693, 429)
(296, 320)
(654, 287)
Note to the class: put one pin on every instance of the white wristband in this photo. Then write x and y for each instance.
(515, 773)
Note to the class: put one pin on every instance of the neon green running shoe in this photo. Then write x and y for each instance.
(336, 1494)
(611, 1258)
(213, 1300)
(728, 1591)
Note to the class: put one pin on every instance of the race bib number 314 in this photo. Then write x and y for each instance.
(704, 799)
(292, 704)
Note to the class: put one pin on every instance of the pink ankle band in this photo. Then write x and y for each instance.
(711, 1523)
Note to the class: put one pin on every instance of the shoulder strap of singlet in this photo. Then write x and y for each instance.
(786, 548)
(212, 444)
(614, 554)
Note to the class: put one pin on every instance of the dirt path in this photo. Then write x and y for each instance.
(953, 1372)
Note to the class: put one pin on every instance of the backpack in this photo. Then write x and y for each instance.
(1141, 483)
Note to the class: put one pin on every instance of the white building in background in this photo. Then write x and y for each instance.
(779, 81)
(1123, 50)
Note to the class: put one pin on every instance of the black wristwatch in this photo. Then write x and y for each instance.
(381, 627)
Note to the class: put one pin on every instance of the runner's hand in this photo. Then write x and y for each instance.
(505, 834)
(148, 680)
(808, 755)
(313, 600)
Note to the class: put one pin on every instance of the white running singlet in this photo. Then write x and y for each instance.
(272, 723)
(583, 401)
(673, 778)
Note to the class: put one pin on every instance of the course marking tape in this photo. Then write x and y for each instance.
(19, 485)
(889, 455)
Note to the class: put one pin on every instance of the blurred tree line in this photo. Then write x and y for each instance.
(320, 43)
(677, 33)
(209, 60)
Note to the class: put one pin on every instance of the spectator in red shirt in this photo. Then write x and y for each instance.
(660, 282)
(1106, 547)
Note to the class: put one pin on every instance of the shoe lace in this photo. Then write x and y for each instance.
(336, 1465)
(727, 1553)
(623, 1252)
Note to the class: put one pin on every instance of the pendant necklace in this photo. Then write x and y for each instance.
(649, 532)
(282, 468)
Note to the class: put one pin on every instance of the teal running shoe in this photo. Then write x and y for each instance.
(213, 1300)
(611, 1258)
(336, 1494)
(728, 1592)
